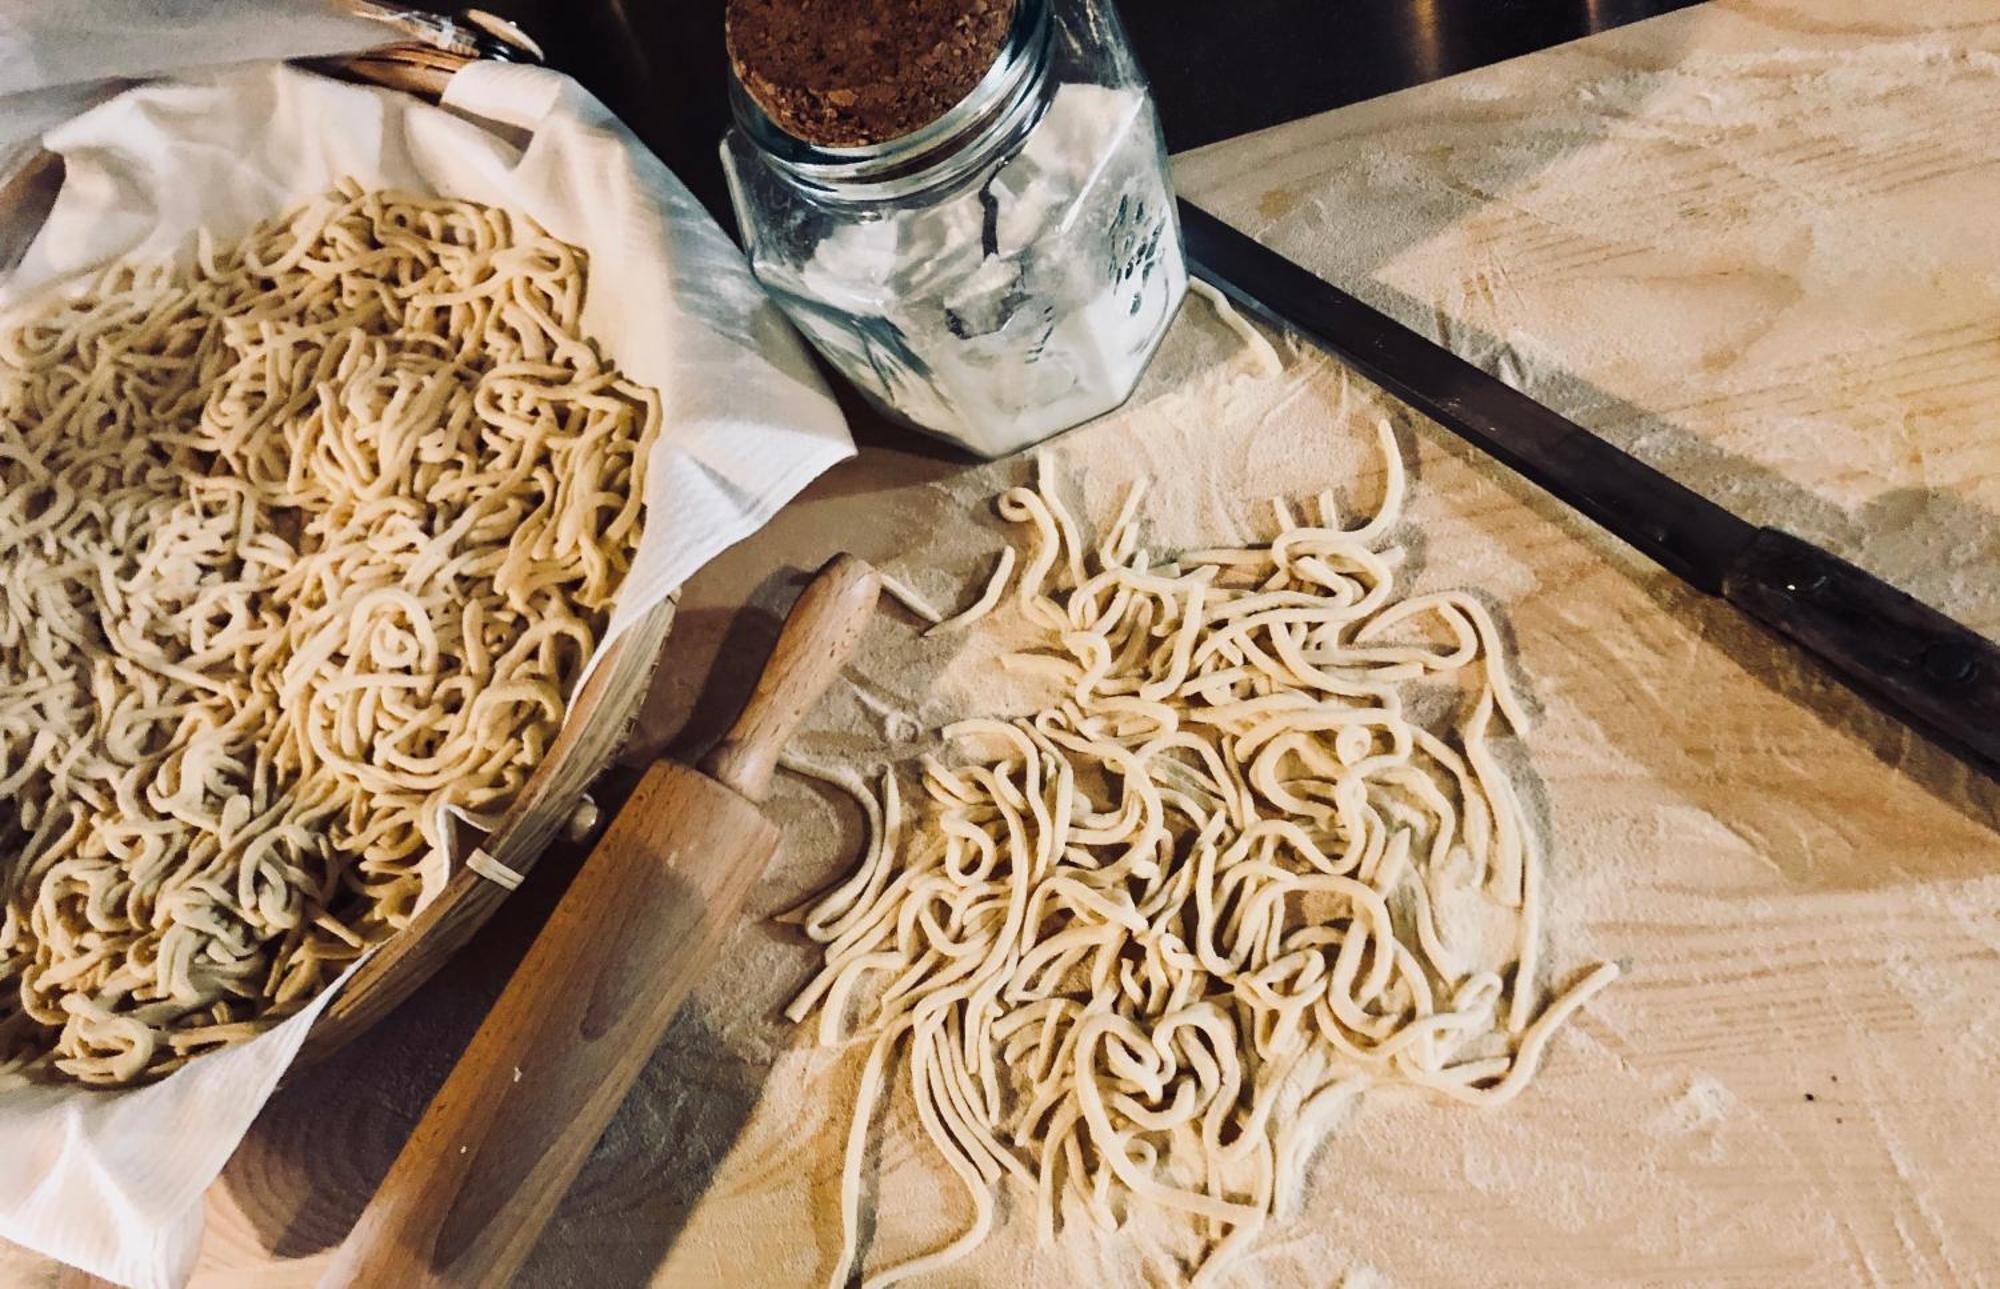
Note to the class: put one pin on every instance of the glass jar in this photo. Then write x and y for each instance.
(998, 275)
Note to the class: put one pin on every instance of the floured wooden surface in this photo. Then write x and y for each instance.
(1778, 1090)
(1764, 271)
(1754, 243)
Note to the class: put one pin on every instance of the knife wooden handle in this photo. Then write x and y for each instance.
(1912, 661)
(466, 1200)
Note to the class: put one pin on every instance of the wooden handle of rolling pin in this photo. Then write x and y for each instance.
(505, 1136)
(818, 638)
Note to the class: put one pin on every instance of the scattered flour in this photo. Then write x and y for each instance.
(1806, 898)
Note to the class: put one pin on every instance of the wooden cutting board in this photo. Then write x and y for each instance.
(1755, 243)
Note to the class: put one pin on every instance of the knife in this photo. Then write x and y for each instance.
(645, 914)
(1912, 662)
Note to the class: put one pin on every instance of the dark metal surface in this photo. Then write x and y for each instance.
(1902, 655)
(1914, 663)
(1218, 67)
(1670, 524)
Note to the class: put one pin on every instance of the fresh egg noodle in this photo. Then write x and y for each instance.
(1148, 942)
(300, 544)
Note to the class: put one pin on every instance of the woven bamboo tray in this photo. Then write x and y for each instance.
(600, 716)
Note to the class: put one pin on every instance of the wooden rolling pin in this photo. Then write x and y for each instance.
(506, 1134)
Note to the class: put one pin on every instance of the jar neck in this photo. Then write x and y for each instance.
(995, 114)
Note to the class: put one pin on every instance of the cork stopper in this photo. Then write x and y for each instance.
(848, 73)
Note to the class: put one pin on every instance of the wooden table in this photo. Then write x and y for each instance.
(1755, 243)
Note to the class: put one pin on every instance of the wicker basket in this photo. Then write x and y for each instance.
(599, 718)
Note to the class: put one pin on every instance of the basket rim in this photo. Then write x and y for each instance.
(597, 720)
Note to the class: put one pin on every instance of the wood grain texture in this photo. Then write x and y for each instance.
(820, 635)
(501, 1142)
(1752, 242)
(29, 183)
(600, 717)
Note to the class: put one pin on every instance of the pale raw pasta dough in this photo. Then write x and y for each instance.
(907, 596)
(300, 544)
(1146, 942)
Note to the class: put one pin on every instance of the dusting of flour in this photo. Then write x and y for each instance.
(1656, 234)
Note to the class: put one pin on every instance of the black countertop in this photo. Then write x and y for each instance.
(1219, 67)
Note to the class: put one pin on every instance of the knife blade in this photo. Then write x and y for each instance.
(1912, 662)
